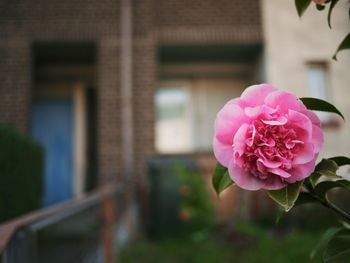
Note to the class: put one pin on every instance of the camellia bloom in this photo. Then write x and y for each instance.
(267, 138)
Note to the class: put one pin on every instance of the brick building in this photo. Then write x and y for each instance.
(121, 76)
(105, 61)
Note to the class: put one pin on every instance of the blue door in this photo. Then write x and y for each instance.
(52, 127)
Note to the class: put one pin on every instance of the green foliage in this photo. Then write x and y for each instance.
(330, 10)
(21, 163)
(320, 105)
(305, 198)
(286, 196)
(322, 188)
(195, 201)
(301, 6)
(338, 248)
(221, 179)
(345, 44)
(317, 251)
(320, 7)
(254, 245)
(340, 160)
(326, 167)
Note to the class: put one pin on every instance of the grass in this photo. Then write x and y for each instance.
(249, 244)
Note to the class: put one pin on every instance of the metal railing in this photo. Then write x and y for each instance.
(80, 230)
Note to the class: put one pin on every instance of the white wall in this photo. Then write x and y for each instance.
(291, 42)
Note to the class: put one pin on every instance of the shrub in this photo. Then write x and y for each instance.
(21, 166)
(180, 202)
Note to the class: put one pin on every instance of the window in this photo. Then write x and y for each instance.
(173, 124)
(317, 85)
(186, 112)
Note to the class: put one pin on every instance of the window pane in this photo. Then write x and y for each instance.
(317, 83)
(186, 115)
(173, 125)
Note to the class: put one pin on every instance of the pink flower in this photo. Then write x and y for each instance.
(267, 138)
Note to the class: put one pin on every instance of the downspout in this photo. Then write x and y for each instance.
(127, 131)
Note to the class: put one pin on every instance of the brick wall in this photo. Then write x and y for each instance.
(210, 21)
(15, 76)
(155, 23)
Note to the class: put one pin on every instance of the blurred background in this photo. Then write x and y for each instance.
(107, 111)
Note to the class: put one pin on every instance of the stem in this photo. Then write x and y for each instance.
(338, 210)
(325, 202)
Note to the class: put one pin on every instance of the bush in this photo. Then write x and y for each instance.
(180, 202)
(21, 164)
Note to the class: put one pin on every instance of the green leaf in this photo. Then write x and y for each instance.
(345, 44)
(301, 6)
(313, 178)
(322, 244)
(305, 198)
(280, 212)
(331, 6)
(320, 7)
(322, 188)
(327, 167)
(340, 160)
(286, 196)
(320, 105)
(221, 179)
(338, 249)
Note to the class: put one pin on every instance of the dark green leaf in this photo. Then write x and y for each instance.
(305, 198)
(338, 249)
(313, 178)
(331, 6)
(340, 160)
(322, 188)
(327, 167)
(320, 105)
(345, 224)
(221, 179)
(280, 212)
(301, 6)
(322, 244)
(345, 44)
(320, 7)
(286, 196)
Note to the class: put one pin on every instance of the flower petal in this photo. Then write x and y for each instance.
(301, 124)
(269, 164)
(228, 121)
(223, 152)
(301, 171)
(317, 138)
(312, 116)
(305, 154)
(280, 172)
(279, 121)
(283, 101)
(243, 178)
(256, 94)
(239, 141)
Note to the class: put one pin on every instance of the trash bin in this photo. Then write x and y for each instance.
(165, 195)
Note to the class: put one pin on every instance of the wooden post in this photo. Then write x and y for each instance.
(108, 230)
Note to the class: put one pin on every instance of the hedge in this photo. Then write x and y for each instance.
(21, 168)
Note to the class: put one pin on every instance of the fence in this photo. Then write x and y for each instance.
(80, 230)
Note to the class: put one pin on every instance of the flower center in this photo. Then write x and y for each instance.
(269, 149)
